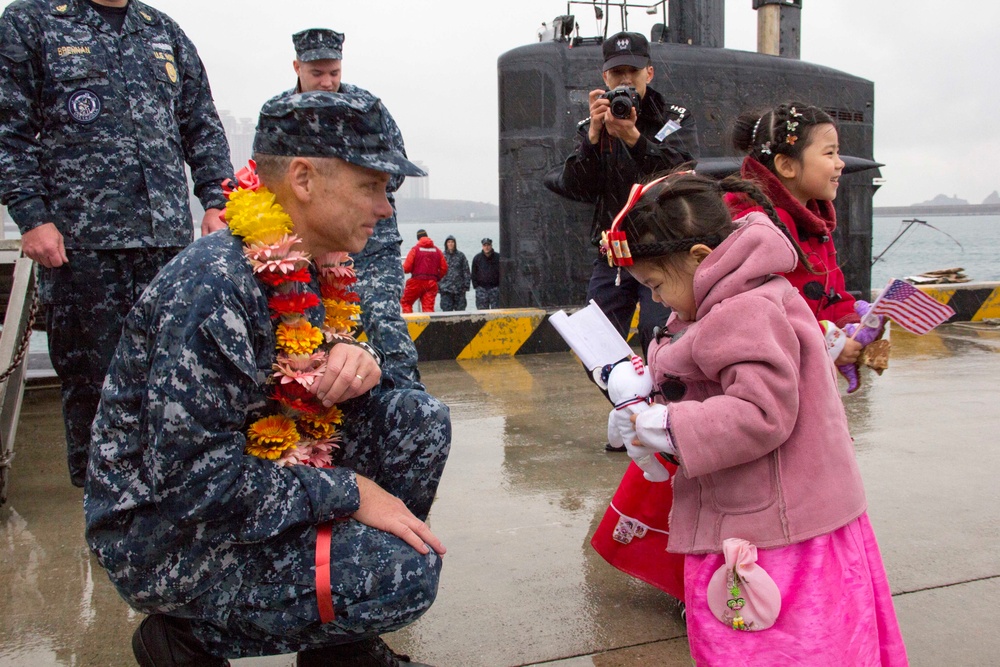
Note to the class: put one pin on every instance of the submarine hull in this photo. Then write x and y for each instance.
(543, 94)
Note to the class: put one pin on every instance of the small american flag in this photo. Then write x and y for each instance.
(910, 308)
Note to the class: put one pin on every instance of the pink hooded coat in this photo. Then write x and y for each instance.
(761, 432)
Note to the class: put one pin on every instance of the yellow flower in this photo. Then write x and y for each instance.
(341, 316)
(298, 337)
(269, 437)
(254, 216)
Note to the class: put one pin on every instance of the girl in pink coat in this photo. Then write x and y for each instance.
(781, 566)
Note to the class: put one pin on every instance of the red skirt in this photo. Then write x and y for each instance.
(633, 534)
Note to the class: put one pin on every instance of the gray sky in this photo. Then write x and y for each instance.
(434, 65)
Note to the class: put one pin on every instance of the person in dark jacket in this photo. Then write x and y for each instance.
(101, 105)
(426, 265)
(486, 276)
(456, 282)
(613, 154)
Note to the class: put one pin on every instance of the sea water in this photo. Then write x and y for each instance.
(969, 242)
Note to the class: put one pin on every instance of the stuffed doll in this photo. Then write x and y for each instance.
(867, 332)
(629, 386)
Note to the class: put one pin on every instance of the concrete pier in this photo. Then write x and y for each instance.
(526, 485)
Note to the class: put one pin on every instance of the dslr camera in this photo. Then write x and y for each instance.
(623, 99)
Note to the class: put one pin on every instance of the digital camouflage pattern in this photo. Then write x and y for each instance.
(318, 44)
(187, 524)
(379, 270)
(95, 127)
(103, 285)
(351, 127)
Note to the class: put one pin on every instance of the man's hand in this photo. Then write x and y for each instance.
(622, 128)
(44, 244)
(212, 222)
(350, 372)
(599, 110)
(602, 119)
(380, 509)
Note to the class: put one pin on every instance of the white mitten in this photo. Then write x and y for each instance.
(651, 429)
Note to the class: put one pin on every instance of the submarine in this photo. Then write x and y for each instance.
(543, 94)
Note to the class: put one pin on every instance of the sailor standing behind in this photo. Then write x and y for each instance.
(101, 104)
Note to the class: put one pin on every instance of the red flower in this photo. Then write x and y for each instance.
(293, 302)
(335, 292)
(246, 179)
(275, 278)
(297, 397)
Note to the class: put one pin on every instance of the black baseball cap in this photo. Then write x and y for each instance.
(626, 48)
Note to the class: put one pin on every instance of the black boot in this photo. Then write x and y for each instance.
(165, 641)
(366, 653)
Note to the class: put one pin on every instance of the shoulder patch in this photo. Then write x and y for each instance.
(679, 110)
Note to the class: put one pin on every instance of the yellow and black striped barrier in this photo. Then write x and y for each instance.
(516, 331)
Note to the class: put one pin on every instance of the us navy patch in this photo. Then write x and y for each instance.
(84, 106)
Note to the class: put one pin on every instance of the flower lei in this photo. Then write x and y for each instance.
(300, 430)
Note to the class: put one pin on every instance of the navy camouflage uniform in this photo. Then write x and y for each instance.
(95, 129)
(379, 266)
(188, 525)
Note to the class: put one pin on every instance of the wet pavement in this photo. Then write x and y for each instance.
(525, 487)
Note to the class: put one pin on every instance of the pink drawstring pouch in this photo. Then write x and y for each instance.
(740, 593)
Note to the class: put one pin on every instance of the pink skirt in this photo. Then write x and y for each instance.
(836, 606)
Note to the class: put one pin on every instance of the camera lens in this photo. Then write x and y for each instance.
(621, 107)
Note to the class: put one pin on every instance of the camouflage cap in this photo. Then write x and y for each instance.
(322, 124)
(318, 44)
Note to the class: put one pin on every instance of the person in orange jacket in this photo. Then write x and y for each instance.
(426, 265)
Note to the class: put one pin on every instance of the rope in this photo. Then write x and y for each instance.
(22, 348)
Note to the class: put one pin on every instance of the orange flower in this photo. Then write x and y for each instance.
(315, 427)
(298, 337)
(269, 437)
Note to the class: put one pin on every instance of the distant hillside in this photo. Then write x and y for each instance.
(431, 210)
(943, 205)
(943, 200)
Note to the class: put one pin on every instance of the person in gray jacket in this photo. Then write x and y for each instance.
(455, 284)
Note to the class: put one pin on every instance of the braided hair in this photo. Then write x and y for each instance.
(784, 130)
(686, 210)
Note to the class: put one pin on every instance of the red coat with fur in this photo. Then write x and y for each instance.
(812, 226)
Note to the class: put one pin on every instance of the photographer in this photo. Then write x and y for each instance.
(645, 135)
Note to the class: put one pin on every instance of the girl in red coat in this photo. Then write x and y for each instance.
(792, 152)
